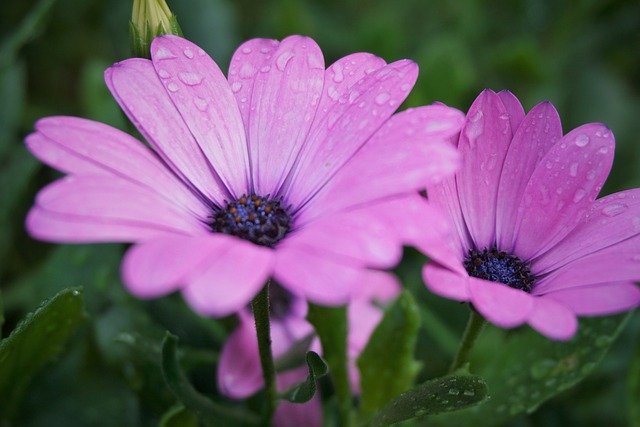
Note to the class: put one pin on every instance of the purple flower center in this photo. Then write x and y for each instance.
(498, 266)
(260, 220)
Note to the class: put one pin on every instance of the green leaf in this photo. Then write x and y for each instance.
(178, 416)
(1, 313)
(304, 391)
(35, 341)
(387, 366)
(208, 412)
(634, 389)
(330, 324)
(523, 368)
(449, 393)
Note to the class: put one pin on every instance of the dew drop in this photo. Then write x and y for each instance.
(283, 59)
(573, 169)
(265, 69)
(247, 70)
(635, 222)
(338, 74)
(579, 195)
(236, 86)
(469, 393)
(454, 391)
(477, 116)
(164, 74)
(548, 165)
(603, 150)
(163, 53)
(591, 175)
(190, 79)
(75, 292)
(405, 87)
(582, 140)
(614, 209)
(188, 53)
(382, 98)
(353, 96)
(315, 62)
(200, 103)
(172, 87)
(246, 50)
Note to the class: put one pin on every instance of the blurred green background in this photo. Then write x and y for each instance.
(583, 56)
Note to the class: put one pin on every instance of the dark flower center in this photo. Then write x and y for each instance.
(498, 266)
(260, 220)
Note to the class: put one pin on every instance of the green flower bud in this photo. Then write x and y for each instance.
(149, 19)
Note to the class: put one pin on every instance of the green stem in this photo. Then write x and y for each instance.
(260, 307)
(471, 333)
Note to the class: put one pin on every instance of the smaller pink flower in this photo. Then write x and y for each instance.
(531, 242)
(240, 372)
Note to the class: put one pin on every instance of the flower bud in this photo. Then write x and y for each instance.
(149, 19)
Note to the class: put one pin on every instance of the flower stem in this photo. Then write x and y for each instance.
(260, 307)
(475, 325)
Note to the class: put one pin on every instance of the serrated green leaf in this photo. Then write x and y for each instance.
(208, 412)
(387, 366)
(449, 393)
(178, 416)
(633, 387)
(35, 341)
(304, 391)
(330, 324)
(523, 368)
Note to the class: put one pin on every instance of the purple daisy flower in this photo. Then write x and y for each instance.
(531, 242)
(285, 170)
(240, 372)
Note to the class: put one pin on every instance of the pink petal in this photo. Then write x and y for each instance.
(204, 99)
(553, 320)
(562, 188)
(446, 283)
(379, 286)
(348, 124)
(239, 369)
(283, 101)
(114, 200)
(598, 300)
(84, 147)
(160, 266)
(231, 280)
(409, 151)
(610, 220)
(483, 144)
(358, 235)
(137, 88)
(513, 107)
(500, 304)
(539, 131)
(318, 276)
(617, 263)
(287, 414)
(363, 319)
(68, 228)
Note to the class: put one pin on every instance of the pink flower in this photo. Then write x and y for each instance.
(284, 170)
(240, 372)
(532, 244)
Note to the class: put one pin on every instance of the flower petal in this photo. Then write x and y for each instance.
(283, 101)
(562, 188)
(483, 144)
(204, 99)
(348, 124)
(379, 286)
(137, 88)
(598, 300)
(610, 220)
(161, 266)
(84, 147)
(500, 304)
(538, 132)
(239, 369)
(115, 200)
(318, 276)
(552, 319)
(446, 283)
(407, 152)
(513, 107)
(231, 280)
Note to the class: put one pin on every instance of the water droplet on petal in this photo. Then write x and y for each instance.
(163, 53)
(164, 74)
(265, 69)
(338, 75)
(603, 150)
(236, 86)
(573, 169)
(172, 87)
(614, 209)
(548, 165)
(477, 116)
(635, 222)
(246, 50)
(200, 103)
(247, 70)
(190, 79)
(382, 98)
(283, 59)
(188, 53)
(405, 87)
(579, 195)
(582, 140)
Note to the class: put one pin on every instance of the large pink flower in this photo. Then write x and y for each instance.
(285, 170)
(532, 244)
